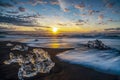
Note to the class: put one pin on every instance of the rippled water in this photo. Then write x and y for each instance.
(59, 42)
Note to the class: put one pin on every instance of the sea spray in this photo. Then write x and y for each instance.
(96, 55)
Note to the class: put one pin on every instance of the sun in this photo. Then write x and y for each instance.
(54, 30)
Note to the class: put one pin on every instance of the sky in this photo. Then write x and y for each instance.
(68, 16)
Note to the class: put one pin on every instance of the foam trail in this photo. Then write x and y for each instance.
(107, 61)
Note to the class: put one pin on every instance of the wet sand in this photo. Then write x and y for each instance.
(61, 70)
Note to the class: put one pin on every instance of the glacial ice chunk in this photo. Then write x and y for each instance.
(9, 44)
(14, 59)
(38, 61)
(97, 44)
(20, 48)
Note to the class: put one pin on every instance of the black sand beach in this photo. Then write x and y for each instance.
(61, 70)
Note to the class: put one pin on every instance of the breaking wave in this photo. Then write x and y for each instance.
(106, 60)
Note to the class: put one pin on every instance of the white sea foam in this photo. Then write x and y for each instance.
(107, 61)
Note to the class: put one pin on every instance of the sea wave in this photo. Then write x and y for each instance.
(107, 61)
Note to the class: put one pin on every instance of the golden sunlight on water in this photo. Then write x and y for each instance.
(52, 43)
(58, 45)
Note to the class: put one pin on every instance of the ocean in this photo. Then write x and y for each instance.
(107, 61)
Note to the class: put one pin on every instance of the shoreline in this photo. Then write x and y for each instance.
(61, 70)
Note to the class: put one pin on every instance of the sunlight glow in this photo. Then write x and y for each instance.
(54, 29)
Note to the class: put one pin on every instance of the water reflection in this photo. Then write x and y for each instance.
(58, 45)
(51, 43)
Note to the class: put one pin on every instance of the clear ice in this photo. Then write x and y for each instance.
(20, 48)
(9, 44)
(38, 61)
(97, 44)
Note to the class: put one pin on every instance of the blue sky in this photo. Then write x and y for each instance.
(67, 15)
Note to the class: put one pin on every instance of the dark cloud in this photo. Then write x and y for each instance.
(110, 5)
(113, 20)
(116, 11)
(20, 20)
(4, 29)
(15, 21)
(12, 12)
(23, 2)
(32, 2)
(22, 9)
(90, 12)
(14, 1)
(112, 29)
(54, 2)
(6, 5)
(80, 22)
(61, 24)
(101, 23)
(83, 15)
(79, 6)
(35, 2)
(66, 10)
(100, 17)
(30, 16)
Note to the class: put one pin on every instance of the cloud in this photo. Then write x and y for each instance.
(66, 10)
(29, 20)
(14, 1)
(54, 2)
(91, 12)
(116, 11)
(6, 5)
(62, 24)
(80, 6)
(110, 5)
(4, 29)
(113, 20)
(14, 21)
(30, 16)
(101, 23)
(22, 20)
(63, 5)
(22, 9)
(20, 2)
(35, 2)
(111, 29)
(32, 2)
(100, 17)
(83, 15)
(80, 22)
(12, 12)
